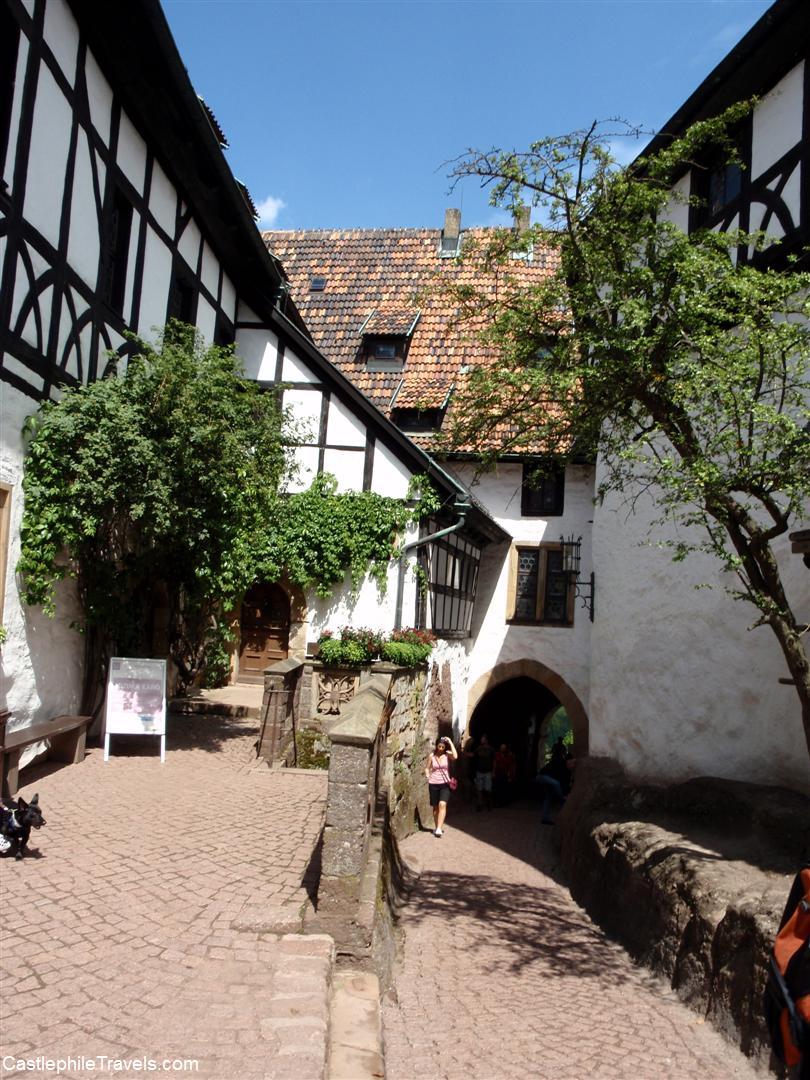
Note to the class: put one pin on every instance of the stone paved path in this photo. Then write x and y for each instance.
(117, 939)
(503, 977)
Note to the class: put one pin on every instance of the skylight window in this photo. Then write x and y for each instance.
(317, 284)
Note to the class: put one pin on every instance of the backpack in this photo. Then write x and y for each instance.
(787, 992)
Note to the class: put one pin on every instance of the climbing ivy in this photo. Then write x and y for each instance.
(319, 535)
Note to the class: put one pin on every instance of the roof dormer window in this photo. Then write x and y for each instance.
(384, 353)
(386, 335)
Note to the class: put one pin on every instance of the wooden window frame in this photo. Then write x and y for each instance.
(115, 250)
(393, 362)
(556, 478)
(541, 597)
(452, 574)
(183, 293)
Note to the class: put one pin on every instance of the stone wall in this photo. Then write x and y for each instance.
(376, 787)
(691, 878)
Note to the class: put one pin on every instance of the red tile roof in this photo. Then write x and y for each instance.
(375, 284)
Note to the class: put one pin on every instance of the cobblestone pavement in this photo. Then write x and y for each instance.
(503, 977)
(116, 937)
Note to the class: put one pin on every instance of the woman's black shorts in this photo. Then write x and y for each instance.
(439, 793)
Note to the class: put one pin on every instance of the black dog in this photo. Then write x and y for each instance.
(16, 823)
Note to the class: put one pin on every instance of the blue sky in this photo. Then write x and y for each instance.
(342, 114)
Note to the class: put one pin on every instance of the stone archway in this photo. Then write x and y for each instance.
(533, 669)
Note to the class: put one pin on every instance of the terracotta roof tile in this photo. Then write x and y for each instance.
(375, 284)
(391, 321)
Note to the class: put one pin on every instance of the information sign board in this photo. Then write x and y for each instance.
(136, 700)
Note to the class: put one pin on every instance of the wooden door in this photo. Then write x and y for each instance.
(265, 629)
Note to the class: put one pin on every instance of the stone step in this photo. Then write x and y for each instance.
(237, 702)
(355, 1028)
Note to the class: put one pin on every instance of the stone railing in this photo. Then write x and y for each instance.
(354, 781)
(281, 708)
(378, 739)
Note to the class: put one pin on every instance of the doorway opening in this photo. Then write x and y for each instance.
(264, 627)
(517, 712)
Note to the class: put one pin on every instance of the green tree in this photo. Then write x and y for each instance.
(161, 493)
(684, 367)
(149, 489)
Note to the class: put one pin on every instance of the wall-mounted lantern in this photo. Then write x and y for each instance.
(571, 562)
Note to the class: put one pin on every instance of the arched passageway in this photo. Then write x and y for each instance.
(518, 703)
(516, 712)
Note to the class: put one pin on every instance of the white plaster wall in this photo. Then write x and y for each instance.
(258, 351)
(389, 475)
(210, 273)
(84, 245)
(777, 121)
(566, 650)
(295, 370)
(679, 686)
(347, 467)
(206, 319)
(305, 466)
(131, 153)
(41, 659)
(100, 98)
(19, 83)
(61, 32)
(156, 280)
(677, 210)
(456, 654)
(370, 608)
(343, 428)
(189, 245)
(47, 162)
(163, 199)
(305, 406)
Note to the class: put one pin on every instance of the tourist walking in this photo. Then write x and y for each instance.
(484, 760)
(504, 774)
(437, 772)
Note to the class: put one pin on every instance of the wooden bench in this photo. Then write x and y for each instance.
(67, 736)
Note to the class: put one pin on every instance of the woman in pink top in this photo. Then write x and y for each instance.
(437, 772)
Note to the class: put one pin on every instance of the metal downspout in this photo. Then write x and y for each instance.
(461, 509)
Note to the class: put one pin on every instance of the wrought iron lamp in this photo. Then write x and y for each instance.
(571, 561)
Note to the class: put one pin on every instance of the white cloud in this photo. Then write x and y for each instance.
(269, 209)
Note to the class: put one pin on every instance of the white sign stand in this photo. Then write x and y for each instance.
(136, 700)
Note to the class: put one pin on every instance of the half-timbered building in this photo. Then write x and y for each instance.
(680, 686)
(118, 211)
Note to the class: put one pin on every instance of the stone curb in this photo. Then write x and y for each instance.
(355, 1043)
(297, 1012)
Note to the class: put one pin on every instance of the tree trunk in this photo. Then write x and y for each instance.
(798, 666)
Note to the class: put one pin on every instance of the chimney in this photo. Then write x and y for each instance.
(452, 224)
(522, 217)
(451, 234)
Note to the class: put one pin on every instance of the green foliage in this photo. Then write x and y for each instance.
(685, 368)
(319, 535)
(149, 489)
(3, 634)
(405, 653)
(559, 726)
(360, 646)
(312, 749)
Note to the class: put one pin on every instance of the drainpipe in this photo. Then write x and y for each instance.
(462, 509)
